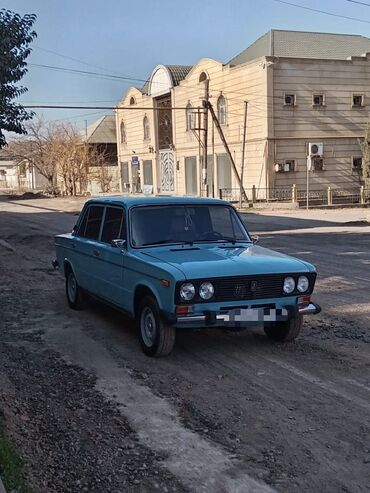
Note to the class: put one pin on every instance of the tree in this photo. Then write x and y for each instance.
(41, 148)
(57, 150)
(365, 147)
(16, 34)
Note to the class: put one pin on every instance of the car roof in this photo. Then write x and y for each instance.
(130, 201)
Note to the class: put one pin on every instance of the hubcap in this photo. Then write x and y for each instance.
(148, 326)
(72, 288)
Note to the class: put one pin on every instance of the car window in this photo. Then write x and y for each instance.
(184, 223)
(114, 225)
(224, 220)
(90, 225)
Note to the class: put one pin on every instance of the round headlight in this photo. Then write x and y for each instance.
(302, 284)
(206, 290)
(187, 291)
(289, 285)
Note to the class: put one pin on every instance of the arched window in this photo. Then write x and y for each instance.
(203, 76)
(221, 110)
(146, 128)
(132, 100)
(190, 117)
(123, 132)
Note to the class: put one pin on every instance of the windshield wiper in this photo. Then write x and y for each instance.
(224, 239)
(170, 242)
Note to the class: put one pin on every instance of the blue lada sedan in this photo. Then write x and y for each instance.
(182, 262)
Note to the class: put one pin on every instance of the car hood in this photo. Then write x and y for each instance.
(220, 260)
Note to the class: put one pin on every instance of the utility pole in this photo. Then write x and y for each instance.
(243, 152)
(205, 145)
(213, 159)
(200, 152)
(222, 136)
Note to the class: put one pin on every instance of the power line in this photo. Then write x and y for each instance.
(73, 59)
(76, 116)
(69, 102)
(322, 11)
(86, 72)
(44, 106)
(360, 3)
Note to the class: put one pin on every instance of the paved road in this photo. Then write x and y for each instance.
(226, 412)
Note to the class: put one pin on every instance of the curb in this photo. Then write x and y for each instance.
(2, 488)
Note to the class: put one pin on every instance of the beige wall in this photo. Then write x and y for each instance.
(337, 124)
(133, 119)
(237, 84)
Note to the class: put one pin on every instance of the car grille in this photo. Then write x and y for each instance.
(245, 287)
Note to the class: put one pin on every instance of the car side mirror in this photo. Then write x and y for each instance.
(118, 243)
(255, 239)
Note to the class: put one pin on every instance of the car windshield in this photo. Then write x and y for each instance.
(158, 225)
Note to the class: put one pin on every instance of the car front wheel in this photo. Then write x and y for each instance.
(285, 331)
(157, 337)
(75, 295)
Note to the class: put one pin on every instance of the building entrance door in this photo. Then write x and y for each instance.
(223, 172)
(135, 177)
(166, 155)
(191, 176)
(167, 171)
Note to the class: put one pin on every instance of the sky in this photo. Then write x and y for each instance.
(129, 38)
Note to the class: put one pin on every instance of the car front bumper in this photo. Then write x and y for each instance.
(242, 316)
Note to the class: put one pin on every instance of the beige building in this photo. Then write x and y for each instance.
(308, 100)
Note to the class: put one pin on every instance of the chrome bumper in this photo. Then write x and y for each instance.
(312, 308)
(211, 318)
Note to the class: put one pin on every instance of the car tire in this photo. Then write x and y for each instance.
(285, 331)
(75, 296)
(157, 337)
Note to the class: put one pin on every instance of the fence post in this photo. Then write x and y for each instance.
(220, 190)
(362, 194)
(294, 193)
(254, 195)
(330, 196)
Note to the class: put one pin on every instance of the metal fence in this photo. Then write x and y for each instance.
(320, 197)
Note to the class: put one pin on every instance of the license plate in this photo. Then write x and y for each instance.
(245, 315)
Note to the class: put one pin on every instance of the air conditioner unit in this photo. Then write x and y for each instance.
(315, 149)
(278, 167)
(286, 167)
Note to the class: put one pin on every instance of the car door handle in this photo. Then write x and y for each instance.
(96, 253)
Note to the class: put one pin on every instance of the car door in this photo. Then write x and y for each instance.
(111, 259)
(85, 248)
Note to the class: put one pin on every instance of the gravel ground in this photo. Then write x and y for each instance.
(72, 438)
(226, 412)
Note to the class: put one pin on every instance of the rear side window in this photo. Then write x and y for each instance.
(114, 225)
(91, 222)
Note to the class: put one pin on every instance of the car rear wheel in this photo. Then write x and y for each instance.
(157, 337)
(75, 295)
(285, 331)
